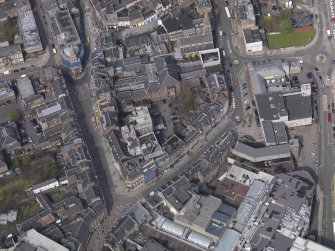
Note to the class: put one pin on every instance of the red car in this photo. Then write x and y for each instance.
(24, 138)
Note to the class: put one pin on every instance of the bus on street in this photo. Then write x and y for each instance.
(227, 12)
(330, 37)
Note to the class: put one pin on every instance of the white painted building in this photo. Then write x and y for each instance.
(123, 21)
(252, 40)
(254, 46)
(301, 244)
(141, 120)
(41, 242)
(210, 57)
(45, 185)
(149, 16)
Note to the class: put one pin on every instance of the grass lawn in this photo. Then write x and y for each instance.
(57, 195)
(12, 194)
(27, 209)
(8, 33)
(290, 39)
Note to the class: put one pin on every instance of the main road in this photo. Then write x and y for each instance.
(326, 171)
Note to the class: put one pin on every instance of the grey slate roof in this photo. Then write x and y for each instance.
(139, 40)
(215, 229)
(269, 133)
(124, 228)
(135, 14)
(139, 213)
(81, 231)
(180, 21)
(254, 153)
(280, 132)
(196, 43)
(115, 145)
(178, 192)
(167, 71)
(151, 245)
(252, 36)
(274, 132)
(228, 240)
(9, 136)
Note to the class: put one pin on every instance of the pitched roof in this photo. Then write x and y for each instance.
(180, 21)
(167, 71)
(8, 135)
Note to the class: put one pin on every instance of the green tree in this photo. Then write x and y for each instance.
(14, 116)
(15, 163)
(284, 15)
(26, 160)
(188, 100)
(266, 23)
(285, 26)
(10, 22)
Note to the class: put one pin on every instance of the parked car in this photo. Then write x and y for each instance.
(34, 122)
(39, 129)
(24, 138)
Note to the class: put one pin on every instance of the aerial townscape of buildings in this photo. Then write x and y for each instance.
(166, 125)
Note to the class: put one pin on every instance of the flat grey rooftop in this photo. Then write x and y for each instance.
(271, 106)
(66, 25)
(298, 107)
(252, 36)
(283, 149)
(10, 50)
